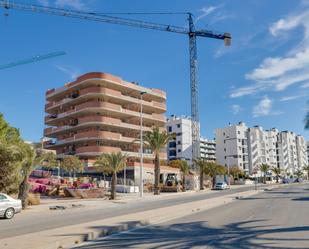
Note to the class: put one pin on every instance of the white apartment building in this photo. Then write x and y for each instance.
(287, 153)
(301, 147)
(232, 146)
(181, 146)
(208, 149)
(277, 149)
(262, 147)
(307, 152)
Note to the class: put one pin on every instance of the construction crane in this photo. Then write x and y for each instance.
(31, 60)
(106, 18)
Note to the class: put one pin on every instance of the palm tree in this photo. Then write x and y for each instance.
(31, 159)
(156, 141)
(213, 169)
(299, 173)
(264, 168)
(112, 163)
(184, 168)
(306, 168)
(307, 121)
(277, 172)
(201, 164)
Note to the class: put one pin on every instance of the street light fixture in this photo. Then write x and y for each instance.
(142, 147)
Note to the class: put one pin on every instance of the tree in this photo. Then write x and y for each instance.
(201, 164)
(213, 169)
(299, 173)
(306, 168)
(31, 158)
(277, 172)
(72, 164)
(156, 141)
(10, 157)
(111, 163)
(264, 168)
(183, 166)
(236, 172)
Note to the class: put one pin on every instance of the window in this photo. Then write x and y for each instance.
(238, 132)
(179, 150)
(172, 144)
(178, 142)
(169, 128)
(172, 153)
(178, 134)
(2, 197)
(178, 125)
(223, 133)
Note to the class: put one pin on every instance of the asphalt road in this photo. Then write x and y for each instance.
(28, 223)
(272, 219)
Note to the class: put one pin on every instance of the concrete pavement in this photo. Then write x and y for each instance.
(270, 219)
(67, 235)
(40, 218)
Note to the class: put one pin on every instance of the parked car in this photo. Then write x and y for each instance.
(285, 181)
(9, 206)
(221, 186)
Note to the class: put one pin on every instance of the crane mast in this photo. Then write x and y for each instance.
(191, 32)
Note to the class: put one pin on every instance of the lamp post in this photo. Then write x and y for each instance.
(141, 169)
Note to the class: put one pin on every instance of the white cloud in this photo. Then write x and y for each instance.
(305, 85)
(236, 109)
(288, 98)
(206, 11)
(75, 4)
(280, 72)
(43, 2)
(264, 108)
(72, 72)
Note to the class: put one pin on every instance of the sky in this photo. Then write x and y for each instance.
(262, 79)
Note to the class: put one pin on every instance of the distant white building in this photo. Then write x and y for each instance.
(181, 146)
(208, 149)
(307, 152)
(248, 148)
(232, 146)
(301, 147)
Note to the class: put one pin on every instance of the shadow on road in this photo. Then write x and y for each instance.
(240, 235)
(301, 199)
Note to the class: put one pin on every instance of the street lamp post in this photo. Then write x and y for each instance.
(142, 148)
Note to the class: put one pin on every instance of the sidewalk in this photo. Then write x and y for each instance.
(66, 237)
(104, 202)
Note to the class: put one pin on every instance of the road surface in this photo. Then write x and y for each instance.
(271, 219)
(34, 222)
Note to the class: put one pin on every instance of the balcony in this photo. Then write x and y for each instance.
(97, 149)
(94, 90)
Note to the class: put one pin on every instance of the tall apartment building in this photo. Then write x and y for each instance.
(100, 113)
(277, 149)
(262, 147)
(232, 146)
(181, 146)
(301, 147)
(307, 143)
